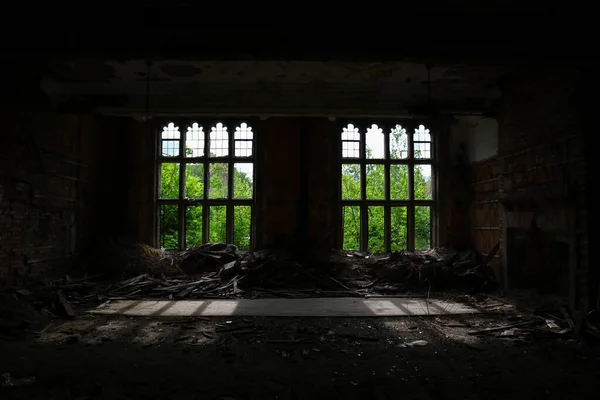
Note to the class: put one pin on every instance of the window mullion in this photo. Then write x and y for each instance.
(230, 170)
(181, 207)
(410, 209)
(364, 219)
(205, 208)
(387, 222)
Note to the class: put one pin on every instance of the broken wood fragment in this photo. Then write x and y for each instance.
(502, 328)
(65, 304)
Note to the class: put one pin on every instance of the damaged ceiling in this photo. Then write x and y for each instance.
(270, 87)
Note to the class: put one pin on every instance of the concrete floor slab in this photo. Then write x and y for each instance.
(313, 307)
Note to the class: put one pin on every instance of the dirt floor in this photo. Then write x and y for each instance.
(98, 357)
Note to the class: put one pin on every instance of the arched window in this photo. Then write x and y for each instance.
(386, 186)
(206, 183)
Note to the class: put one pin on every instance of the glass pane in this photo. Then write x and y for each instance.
(350, 149)
(194, 181)
(243, 148)
(219, 141)
(350, 132)
(422, 227)
(376, 229)
(242, 217)
(170, 131)
(375, 142)
(398, 143)
(375, 182)
(169, 181)
(423, 189)
(242, 180)
(170, 148)
(399, 182)
(217, 227)
(169, 226)
(350, 142)
(422, 134)
(194, 141)
(350, 182)
(217, 188)
(193, 226)
(422, 150)
(244, 131)
(399, 232)
(351, 228)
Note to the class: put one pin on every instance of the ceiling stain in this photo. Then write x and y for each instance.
(180, 70)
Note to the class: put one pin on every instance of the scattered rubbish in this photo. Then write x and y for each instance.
(551, 324)
(502, 328)
(218, 270)
(6, 380)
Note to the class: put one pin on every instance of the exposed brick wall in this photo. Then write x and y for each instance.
(67, 182)
(42, 181)
(539, 173)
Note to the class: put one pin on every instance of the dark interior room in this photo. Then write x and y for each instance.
(297, 203)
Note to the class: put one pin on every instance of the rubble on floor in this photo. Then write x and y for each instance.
(218, 270)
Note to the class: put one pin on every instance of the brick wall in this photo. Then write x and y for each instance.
(43, 179)
(539, 171)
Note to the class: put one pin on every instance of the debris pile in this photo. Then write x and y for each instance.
(218, 270)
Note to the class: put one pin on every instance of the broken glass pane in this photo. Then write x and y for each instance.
(398, 143)
(169, 181)
(423, 182)
(217, 228)
(375, 143)
(399, 231)
(422, 227)
(376, 229)
(193, 226)
(351, 182)
(242, 180)
(399, 182)
(351, 228)
(169, 226)
(375, 181)
(194, 181)
(242, 217)
(218, 183)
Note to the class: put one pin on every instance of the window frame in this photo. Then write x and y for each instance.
(411, 161)
(183, 202)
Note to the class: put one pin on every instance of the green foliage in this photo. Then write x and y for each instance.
(194, 189)
(375, 190)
